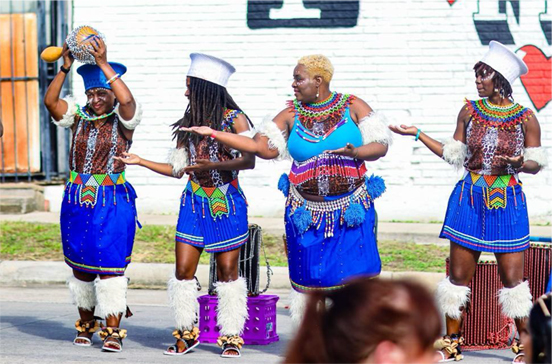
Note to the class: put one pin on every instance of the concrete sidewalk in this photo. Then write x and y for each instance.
(420, 233)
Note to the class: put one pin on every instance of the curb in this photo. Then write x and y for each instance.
(21, 273)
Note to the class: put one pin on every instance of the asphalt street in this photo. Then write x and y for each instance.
(37, 326)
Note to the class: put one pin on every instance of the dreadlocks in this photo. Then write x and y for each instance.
(206, 108)
(499, 82)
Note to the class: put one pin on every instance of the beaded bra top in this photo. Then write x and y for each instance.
(210, 149)
(317, 128)
(492, 131)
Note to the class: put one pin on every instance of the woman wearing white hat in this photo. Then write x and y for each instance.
(213, 211)
(495, 140)
(330, 213)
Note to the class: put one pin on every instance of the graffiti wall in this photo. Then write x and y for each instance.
(411, 59)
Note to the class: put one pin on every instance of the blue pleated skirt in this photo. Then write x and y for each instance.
(214, 219)
(487, 219)
(321, 261)
(98, 227)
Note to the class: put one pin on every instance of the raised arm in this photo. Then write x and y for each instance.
(534, 156)
(246, 161)
(453, 151)
(375, 134)
(56, 106)
(127, 108)
(269, 142)
(166, 169)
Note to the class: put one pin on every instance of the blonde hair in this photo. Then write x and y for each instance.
(318, 65)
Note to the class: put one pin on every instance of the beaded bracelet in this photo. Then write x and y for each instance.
(417, 135)
(113, 79)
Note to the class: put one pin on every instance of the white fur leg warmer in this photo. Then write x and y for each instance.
(537, 154)
(276, 138)
(183, 302)
(111, 294)
(374, 129)
(455, 152)
(68, 118)
(232, 306)
(136, 119)
(178, 159)
(451, 298)
(516, 302)
(83, 293)
(297, 307)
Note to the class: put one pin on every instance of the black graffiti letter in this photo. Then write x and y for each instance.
(491, 20)
(332, 14)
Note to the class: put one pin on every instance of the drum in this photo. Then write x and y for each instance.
(248, 264)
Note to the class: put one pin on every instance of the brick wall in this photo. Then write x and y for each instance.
(411, 59)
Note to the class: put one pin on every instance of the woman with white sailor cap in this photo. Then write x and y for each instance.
(496, 139)
(213, 209)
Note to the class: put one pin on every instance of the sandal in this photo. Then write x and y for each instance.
(88, 327)
(189, 338)
(518, 349)
(112, 338)
(232, 343)
(449, 348)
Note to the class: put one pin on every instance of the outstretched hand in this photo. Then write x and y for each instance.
(404, 129)
(348, 150)
(515, 162)
(129, 158)
(201, 165)
(199, 130)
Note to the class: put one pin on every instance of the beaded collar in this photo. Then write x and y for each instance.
(84, 115)
(328, 112)
(494, 116)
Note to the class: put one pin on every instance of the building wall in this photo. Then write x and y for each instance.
(411, 59)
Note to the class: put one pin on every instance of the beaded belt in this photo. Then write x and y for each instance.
(315, 212)
(481, 180)
(494, 188)
(97, 179)
(326, 206)
(89, 184)
(217, 197)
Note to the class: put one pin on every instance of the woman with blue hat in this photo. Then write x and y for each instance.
(98, 212)
(496, 139)
(213, 209)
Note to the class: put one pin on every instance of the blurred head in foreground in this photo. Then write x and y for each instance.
(368, 321)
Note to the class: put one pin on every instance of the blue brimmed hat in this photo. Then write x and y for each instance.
(94, 77)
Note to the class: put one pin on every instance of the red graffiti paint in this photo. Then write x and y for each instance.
(538, 81)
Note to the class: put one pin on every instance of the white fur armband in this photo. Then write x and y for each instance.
(374, 129)
(132, 123)
(454, 152)
(178, 159)
(536, 154)
(276, 138)
(68, 119)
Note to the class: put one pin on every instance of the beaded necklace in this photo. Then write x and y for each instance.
(86, 116)
(495, 116)
(318, 120)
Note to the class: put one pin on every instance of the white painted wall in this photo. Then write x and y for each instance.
(411, 59)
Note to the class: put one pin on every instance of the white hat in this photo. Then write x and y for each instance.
(504, 61)
(210, 68)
